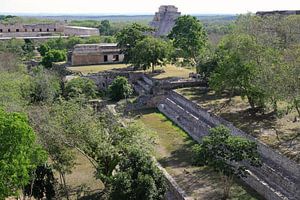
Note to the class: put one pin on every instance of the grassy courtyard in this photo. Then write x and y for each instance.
(168, 71)
(96, 68)
(282, 133)
(173, 151)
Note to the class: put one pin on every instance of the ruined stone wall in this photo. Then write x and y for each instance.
(37, 30)
(89, 59)
(74, 30)
(278, 178)
(30, 30)
(174, 192)
(104, 79)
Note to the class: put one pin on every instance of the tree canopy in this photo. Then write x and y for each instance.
(128, 37)
(54, 56)
(227, 154)
(189, 38)
(80, 87)
(150, 52)
(119, 88)
(19, 153)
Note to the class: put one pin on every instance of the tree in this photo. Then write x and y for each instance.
(119, 88)
(150, 52)
(42, 183)
(43, 49)
(137, 177)
(239, 60)
(189, 37)
(13, 91)
(44, 87)
(80, 87)
(128, 37)
(291, 77)
(19, 153)
(105, 28)
(226, 154)
(53, 56)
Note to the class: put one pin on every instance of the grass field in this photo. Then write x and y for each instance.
(96, 68)
(282, 133)
(172, 71)
(81, 182)
(169, 70)
(173, 151)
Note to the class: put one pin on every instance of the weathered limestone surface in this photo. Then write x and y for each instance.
(277, 179)
(164, 20)
(45, 29)
(91, 54)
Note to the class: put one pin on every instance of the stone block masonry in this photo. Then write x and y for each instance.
(277, 179)
(164, 20)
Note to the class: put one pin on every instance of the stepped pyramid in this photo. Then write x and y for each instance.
(164, 20)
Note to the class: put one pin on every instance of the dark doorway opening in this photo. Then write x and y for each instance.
(115, 58)
(105, 58)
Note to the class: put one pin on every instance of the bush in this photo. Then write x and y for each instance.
(138, 178)
(80, 87)
(44, 87)
(43, 49)
(54, 56)
(119, 89)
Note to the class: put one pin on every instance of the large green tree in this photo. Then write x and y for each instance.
(150, 52)
(53, 56)
(137, 177)
(128, 37)
(189, 38)
(19, 153)
(226, 154)
(239, 60)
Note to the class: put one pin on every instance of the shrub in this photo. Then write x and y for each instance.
(80, 87)
(119, 89)
(54, 56)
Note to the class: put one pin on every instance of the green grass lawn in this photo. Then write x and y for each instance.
(173, 151)
(172, 71)
(281, 133)
(169, 70)
(96, 68)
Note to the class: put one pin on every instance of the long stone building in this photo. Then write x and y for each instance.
(92, 54)
(39, 30)
(278, 12)
(164, 20)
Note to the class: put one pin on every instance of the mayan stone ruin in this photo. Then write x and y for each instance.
(164, 20)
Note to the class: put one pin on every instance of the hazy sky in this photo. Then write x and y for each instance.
(144, 6)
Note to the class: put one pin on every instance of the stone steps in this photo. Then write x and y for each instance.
(265, 177)
(269, 168)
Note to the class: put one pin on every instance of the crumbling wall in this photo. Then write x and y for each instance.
(278, 178)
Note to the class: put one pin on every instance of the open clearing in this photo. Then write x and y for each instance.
(280, 133)
(96, 68)
(168, 71)
(82, 182)
(173, 151)
(172, 71)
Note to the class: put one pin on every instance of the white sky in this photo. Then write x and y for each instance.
(144, 6)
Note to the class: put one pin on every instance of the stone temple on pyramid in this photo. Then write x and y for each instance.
(164, 20)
